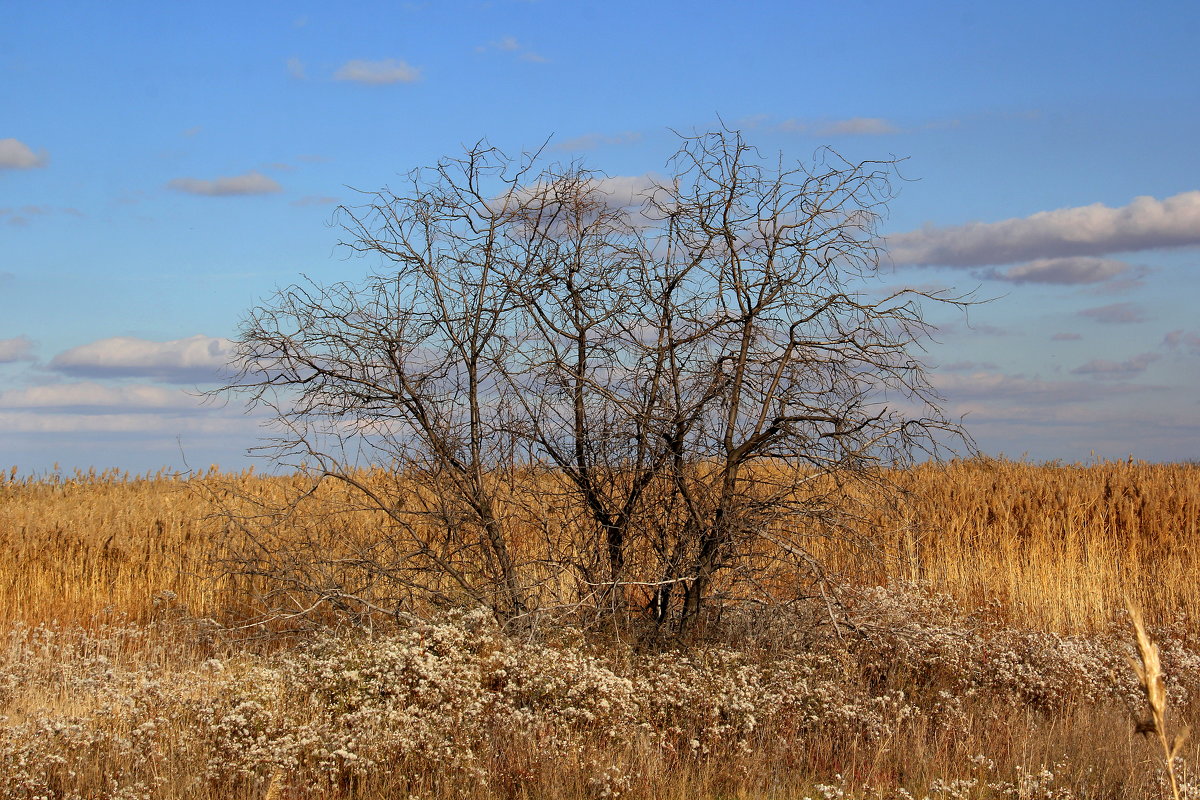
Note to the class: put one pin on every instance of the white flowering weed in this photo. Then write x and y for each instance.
(914, 699)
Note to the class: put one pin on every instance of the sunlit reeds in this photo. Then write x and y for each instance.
(1056, 546)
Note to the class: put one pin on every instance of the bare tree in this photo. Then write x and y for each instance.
(564, 391)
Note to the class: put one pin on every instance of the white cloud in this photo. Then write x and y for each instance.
(967, 328)
(1188, 340)
(624, 191)
(509, 44)
(855, 126)
(377, 73)
(250, 183)
(619, 191)
(590, 141)
(752, 121)
(1120, 286)
(1070, 270)
(15, 154)
(1116, 314)
(196, 359)
(314, 200)
(22, 216)
(858, 126)
(1145, 224)
(295, 68)
(966, 366)
(1116, 370)
(17, 349)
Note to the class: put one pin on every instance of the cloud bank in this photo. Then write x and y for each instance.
(250, 183)
(1094, 230)
(1008, 392)
(138, 425)
(15, 154)
(377, 73)
(96, 397)
(196, 359)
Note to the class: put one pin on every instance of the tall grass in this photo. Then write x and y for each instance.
(1059, 547)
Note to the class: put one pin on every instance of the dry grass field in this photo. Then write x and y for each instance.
(1058, 547)
(988, 657)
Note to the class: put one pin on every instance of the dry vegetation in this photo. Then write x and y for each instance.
(981, 652)
(1058, 547)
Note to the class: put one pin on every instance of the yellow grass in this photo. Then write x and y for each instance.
(1059, 547)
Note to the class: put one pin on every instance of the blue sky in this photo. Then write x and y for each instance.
(163, 166)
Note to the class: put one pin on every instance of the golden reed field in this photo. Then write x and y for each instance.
(988, 654)
(1057, 546)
